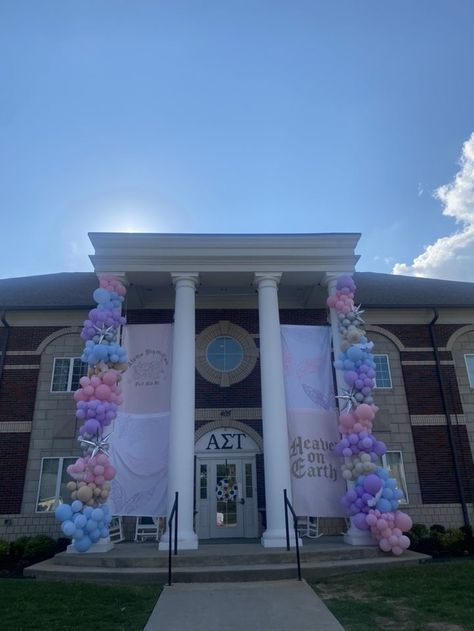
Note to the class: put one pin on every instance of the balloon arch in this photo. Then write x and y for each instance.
(372, 498)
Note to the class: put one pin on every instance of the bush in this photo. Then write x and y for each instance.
(17, 548)
(468, 538)
(437, 528)
(4, 554)
(62, 543)
(39, 548)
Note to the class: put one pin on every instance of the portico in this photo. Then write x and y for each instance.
(224, 273)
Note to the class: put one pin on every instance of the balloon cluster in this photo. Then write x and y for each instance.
(86, 519)
(84, 524)
(373, 497)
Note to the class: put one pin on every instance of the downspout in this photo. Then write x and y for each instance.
(457, 471)
(3, 351)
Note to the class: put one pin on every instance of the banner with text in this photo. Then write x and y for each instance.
(317, 484)
(141, 431)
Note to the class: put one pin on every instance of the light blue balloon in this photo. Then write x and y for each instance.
(79, 533)
(80, 520)
(91, 525)
(63, 512)
(383, 505)
(82, 545)
(76, 506)
(104, 533)
(97, 514)
(101, 295)
(88, 511)
(68, 528)
(95, 535)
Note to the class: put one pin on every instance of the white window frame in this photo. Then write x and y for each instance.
(390, 387)
(61, 460)
(471, 382)
(404, 501)
(70, 373)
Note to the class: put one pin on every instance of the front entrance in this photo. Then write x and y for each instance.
(226, 486)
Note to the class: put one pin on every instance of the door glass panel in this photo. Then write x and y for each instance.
(203, 481)
(226, 496)
(248, 481)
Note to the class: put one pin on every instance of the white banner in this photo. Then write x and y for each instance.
(317, 484)
(141, 431)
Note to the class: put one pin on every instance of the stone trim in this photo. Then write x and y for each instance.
(373, 328)
(427, 362)
(16, 353)
(225, 379)
(453, 339)
(15, 427)
(437, 419)
(72, 330)
(21, 367)
(242, 427)
(214, 414)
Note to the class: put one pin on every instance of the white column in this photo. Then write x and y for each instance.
(275, 432)
(354, 536)
(181, 442)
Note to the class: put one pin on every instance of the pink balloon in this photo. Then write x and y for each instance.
(109, 378)
(384, 545)
(397, 551)
(403, 521)
(88, 391)
(84, 381)
(109, 472)
(95, 381)
(404, 542)
(103, 392)
(79, 395)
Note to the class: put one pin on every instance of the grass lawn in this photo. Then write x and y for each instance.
(429, 597)
(49, 606)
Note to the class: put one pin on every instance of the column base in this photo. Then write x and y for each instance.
(277, 539)
(186, 541)
(356, 537)
(103, 545)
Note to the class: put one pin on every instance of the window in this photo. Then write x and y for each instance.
(52, 485)
(224, 353)
(66, 374)
(383, 378)
(469, 359)
(393, 462)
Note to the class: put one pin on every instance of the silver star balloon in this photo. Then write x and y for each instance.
(103, 332)
(99, 443)
(357, 312)
(350, 401)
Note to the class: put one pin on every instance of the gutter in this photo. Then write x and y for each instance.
(3, 351)
(457, 471)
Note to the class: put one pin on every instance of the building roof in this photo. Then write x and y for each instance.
(74, 290)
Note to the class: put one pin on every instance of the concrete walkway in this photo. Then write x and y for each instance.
(253, 606)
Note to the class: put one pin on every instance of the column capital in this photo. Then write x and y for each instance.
(121, 276)
(262, 279)
(330, 279)
(190, 279)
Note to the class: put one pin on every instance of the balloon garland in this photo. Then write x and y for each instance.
(373, 497)
(86, 519)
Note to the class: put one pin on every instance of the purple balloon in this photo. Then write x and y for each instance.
(372, 484)
(359, 521)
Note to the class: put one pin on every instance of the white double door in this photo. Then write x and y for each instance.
(226, 497)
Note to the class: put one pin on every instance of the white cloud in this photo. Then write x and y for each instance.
(451, 257)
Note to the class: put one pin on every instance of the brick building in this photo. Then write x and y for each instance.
(423, 332)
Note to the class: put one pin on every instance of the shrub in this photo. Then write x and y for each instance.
(4, 554)
(39, 548)
(437, 528)
(468, 538)
(62, 543)
(17, 548)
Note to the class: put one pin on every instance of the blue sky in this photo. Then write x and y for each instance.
(238, 116)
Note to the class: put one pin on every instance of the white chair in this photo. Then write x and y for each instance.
(308, 526)
(116, 530)
(147, 528)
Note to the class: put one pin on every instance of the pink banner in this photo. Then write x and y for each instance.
(141, 431)
(317, 484)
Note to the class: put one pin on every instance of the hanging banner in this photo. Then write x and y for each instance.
(313, 431)
(140, 437)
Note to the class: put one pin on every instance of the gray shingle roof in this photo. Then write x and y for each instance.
(67, 290)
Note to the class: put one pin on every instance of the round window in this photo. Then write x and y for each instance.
(224, 353)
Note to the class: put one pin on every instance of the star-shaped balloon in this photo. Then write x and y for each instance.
(350, 401)
(99, 443)
(103, 332)
(357, 312)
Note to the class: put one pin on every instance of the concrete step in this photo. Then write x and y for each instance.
(311, 571)
(219, 556)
